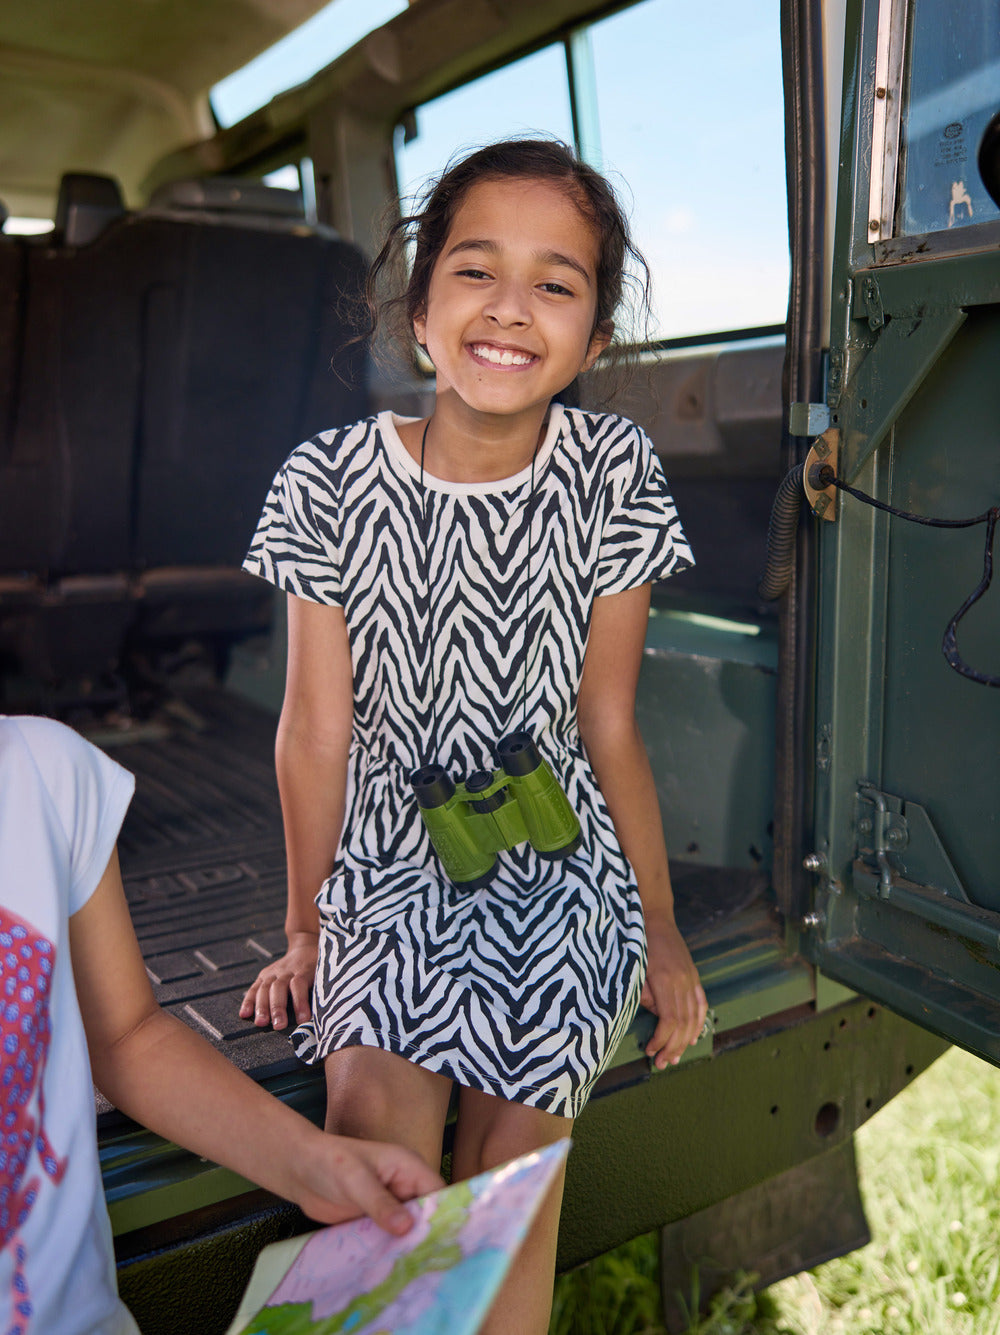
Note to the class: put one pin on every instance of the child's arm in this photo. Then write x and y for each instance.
(161, 1073)
(314, 735)
(606, 716)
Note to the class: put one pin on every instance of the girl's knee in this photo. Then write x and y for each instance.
(376, 1095)
(492, 1131)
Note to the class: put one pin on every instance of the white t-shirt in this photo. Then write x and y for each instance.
(62, 803)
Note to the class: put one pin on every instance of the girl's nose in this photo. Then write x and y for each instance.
(507, 304)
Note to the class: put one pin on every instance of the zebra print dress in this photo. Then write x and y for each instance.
(467, 608)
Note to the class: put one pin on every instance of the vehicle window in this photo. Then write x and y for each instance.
(296, 176)
(16, 226)
(952, 91)
(704, 174)
(691, 120)
(299, 55)
(528, 97)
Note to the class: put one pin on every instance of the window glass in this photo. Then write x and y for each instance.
(15, 226)
(691, 123)
(953, 90)
(284, 178)
(529, 97)
(296, 176)
(299, 55)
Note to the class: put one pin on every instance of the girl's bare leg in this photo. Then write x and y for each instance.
(489, 1132)
(379, 1096)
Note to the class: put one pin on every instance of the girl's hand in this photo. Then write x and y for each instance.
(291, 977)
(672, 992)
(342, 1178)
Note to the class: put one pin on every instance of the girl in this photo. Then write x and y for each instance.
(454, 579)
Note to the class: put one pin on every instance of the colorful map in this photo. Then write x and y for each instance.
(355, 1279)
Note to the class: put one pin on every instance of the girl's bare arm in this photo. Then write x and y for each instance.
(158, 1071)
(314, 734)
(606, 716)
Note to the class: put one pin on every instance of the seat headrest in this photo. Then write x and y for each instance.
(228, 194)
(87, 204)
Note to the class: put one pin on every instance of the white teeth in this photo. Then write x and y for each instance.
(504, 358)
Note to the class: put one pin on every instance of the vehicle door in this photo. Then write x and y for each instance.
(906, 722)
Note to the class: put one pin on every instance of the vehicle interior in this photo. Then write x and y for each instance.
(170, 339)
(186, 311)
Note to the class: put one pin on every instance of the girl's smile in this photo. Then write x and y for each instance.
(501, 356)
(509, 319)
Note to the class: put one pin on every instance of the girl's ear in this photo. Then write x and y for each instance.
(600, 339)
(420, 328)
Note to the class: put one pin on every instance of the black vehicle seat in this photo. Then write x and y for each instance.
(167, 365)
(245, 354)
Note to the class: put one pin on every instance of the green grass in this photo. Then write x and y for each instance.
(929, 1166)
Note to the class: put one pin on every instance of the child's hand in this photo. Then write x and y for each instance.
(672, 992)
(342, 1178)
(291, 977)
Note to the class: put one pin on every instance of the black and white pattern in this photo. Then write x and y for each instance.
(524, 988)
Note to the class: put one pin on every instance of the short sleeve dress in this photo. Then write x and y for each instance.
(468, 609)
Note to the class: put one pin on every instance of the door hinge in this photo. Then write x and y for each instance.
(872, 298)
(889, 827)
(879, 832)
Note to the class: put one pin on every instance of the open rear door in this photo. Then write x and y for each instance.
(907, 748)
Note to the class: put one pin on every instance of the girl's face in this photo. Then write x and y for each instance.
(511, 303)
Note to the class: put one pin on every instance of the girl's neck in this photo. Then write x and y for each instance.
(478, 449)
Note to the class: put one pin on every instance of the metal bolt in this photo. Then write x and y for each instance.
(897, 836)
(865, 825)
(814, 862)
(880, 92)
(813, 919)
(874, 225)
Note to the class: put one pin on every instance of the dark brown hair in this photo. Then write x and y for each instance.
(397, 293)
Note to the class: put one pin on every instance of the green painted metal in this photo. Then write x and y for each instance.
(916, 397)
(148, 1180)
(887, 379)
(958, 280)
(669, 1147)
(705, 701)
(646, 1155)
(930, 958)
(190, 1283)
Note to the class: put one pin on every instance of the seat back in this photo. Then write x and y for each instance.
(162, 369)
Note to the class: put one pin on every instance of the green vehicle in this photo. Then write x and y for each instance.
(824, 742)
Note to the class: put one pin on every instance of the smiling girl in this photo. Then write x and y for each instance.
(452, 580)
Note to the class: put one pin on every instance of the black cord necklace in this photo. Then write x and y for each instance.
(425, 535)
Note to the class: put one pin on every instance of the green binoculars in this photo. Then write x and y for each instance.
(470, 822)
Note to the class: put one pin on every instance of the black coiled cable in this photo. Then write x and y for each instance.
(781, 532)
